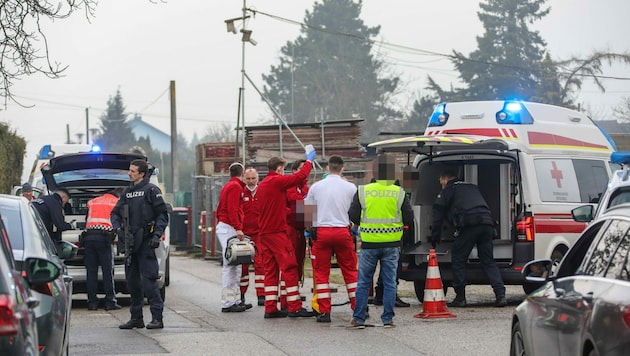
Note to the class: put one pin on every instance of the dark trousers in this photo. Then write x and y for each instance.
(98, 252)
(469, 237)
(142, 281)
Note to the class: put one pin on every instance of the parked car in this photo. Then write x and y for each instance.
(87, 176)
(617, 191)
(18, 330)
(583, 308)
(38, 257)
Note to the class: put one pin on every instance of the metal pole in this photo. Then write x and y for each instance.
(87, 126)
(174, 164)
(277, 115)
(243, 82)
(321, 126)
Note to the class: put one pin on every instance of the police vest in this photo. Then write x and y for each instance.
(381, 216)
(99, 212)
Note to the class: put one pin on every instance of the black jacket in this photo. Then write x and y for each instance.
(51, 211)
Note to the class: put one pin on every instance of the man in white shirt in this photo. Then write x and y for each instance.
(332, 197)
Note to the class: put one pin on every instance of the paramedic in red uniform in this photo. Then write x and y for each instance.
(250, 228)
(332, 198)
(276, 248)
(295, 218)
(230, 224)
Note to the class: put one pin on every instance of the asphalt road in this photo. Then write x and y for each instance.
(194, 324)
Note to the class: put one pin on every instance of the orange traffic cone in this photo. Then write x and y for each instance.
(434, 305)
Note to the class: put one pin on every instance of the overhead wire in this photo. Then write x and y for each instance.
(417, 51)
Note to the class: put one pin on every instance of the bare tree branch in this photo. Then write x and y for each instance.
(23, 44)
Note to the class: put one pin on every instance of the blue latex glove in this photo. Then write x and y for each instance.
(354, 231)
(311, 155)
(307, 234)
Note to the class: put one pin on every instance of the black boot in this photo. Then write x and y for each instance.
(247, 306)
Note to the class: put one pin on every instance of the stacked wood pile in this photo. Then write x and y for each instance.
(216, 157)
(339, 137)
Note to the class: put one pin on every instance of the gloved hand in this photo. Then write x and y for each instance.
(354, 231)
(154, 242)
(73, 223)
(307, 234)
(310, 155)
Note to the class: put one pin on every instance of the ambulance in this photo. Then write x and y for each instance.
(532, 162)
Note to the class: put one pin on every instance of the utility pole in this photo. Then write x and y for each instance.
(174, 165)
(87, 126)
(243, 82)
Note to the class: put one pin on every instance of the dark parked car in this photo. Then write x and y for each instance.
(38, 257)
(584, 307)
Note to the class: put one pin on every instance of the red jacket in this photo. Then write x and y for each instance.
(272, 198)
(249, 203)
(229, 210)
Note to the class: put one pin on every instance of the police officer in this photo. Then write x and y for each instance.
(51, 210)
(148, 220)
(381, 209)
(464, 207)
(97, 241)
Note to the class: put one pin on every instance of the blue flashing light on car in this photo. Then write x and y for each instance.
(439, 116)
(621, 157)
(46, 152)
(95, 148)
(515, 113)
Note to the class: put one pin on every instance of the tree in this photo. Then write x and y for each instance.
(116, 135)
(12, 150)
(219, 133)
(506, 63)
(622, 112)
(21, 34)
(329, 72)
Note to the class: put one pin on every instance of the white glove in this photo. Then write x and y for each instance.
(73, 223)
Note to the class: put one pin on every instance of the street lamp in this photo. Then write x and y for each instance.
(246, 37)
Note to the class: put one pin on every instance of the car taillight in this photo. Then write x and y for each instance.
(525, 229)
(626, 316)
(9, 322)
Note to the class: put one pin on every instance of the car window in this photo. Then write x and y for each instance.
(621, 196)
(619, 266)
(574, 257)
(597, 263)
(46, 241)
(13, 223)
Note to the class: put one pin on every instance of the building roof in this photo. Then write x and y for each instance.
(160, 140)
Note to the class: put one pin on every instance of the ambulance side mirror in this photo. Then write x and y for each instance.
(583, 213)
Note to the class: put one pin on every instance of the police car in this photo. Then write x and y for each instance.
(87, 176)
(617, 192)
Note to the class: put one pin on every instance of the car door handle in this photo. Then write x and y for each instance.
(32, 302)
(67, 279)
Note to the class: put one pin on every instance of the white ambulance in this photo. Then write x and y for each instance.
(532, 162)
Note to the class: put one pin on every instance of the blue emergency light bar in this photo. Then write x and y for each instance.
(620, 157)
(95, 148)
(439, 116)
(46, 152)
(515, 113)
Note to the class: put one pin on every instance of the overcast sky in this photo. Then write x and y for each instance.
(140, 46)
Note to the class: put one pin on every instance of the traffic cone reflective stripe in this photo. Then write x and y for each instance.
(434, 304)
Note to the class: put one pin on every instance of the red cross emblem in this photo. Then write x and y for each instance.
(556, 174)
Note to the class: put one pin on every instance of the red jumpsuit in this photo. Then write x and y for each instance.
(295, 222)
(250, 228)
(277, 250)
